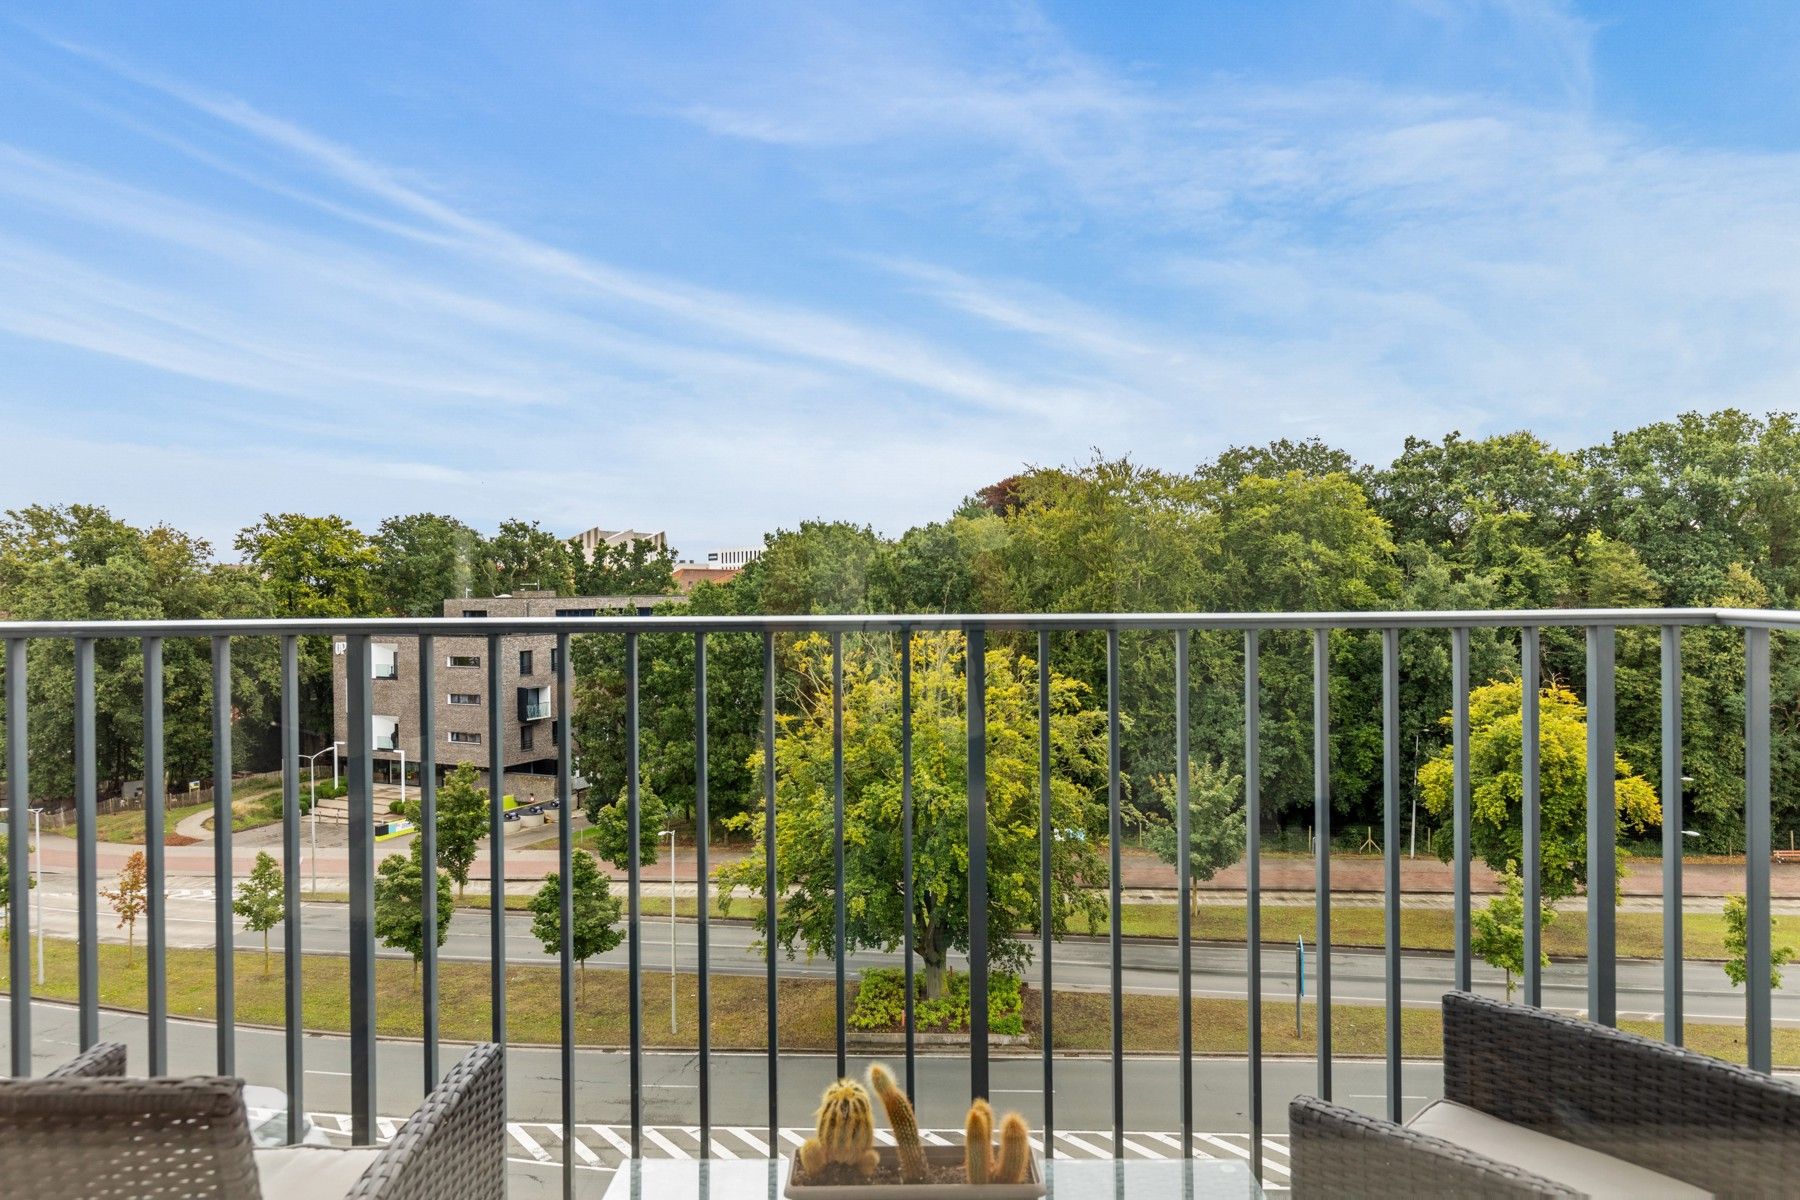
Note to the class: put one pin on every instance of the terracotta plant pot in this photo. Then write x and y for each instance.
(1031, 1189)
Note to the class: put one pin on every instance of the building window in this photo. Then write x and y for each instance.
(458, 737)
(525, 662)
(387, 733)
(527, 735)
(464, 698)
(474, 612)
(464, 660)
(382, 656)
(577, 612)
(555, 659)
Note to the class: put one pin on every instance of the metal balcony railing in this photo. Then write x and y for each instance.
(1598, 627)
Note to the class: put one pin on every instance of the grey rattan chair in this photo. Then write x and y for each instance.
(1685, 1116)
(79, 1137)
(97, 1061)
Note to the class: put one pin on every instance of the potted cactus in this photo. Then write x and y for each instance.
(842, 1162)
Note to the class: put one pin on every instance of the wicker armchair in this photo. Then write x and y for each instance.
(98, 1061)
(82, 1133)
(1551, 1090)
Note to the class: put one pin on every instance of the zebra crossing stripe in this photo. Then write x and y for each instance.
(387, 1127)
(607, 1132)
(1173, 1143)
(673, 1150)
(1269, 1164)
(794, 1137)
(1140, 1151)
(528, 1142)
(930, 1137)
(582, 1151)
(749, 1139)
(1092, 1150)
(718, 1150)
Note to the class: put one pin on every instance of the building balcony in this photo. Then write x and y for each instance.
(1142, 1043)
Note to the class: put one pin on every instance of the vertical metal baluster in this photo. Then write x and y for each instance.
(359, 701)
(496, 736)
(1673, 947)
(1602, 830)
(1460, 814)
(291, 963)
(1184, 857)
(1322, 846)
(975, 673)
(839, 903)
(428, 852)
(18, 849)
(906, 854)
(1046, 914)
(1390, 856)
(770, 885)
(1253, 884)
(224, 934)
(565, 866)
(87, 876)
(1115, 935)
(1758, 1044)
(156, 913)
(701, 820)
(1530, 671)
(634, 890)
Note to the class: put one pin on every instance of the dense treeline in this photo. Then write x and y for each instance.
(1701, 510)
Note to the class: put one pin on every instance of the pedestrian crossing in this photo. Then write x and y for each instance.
(603, 1147)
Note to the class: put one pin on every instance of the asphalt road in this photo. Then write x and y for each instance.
(1078, 963)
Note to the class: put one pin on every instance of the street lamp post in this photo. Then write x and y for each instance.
(670, 834)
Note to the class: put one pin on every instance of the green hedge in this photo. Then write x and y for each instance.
(881, 1002)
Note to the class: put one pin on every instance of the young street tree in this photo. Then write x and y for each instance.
(259, 900)
(1737, 955)
(1496, 750)
(462, 821)
(596, 913)
(400, 905)
(1497, 929)
(1215, 821)
(612, 827)
(805, 870)
(129, 898)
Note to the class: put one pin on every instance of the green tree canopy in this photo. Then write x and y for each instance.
(596, 913)
(872, 798)
(1496, 762)
(425, 559)
(259, 900)
(400, 905)
(527, 557)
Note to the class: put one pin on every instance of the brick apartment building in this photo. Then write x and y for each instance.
(461, 703)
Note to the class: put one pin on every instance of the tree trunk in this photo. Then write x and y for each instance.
(265, 954)
(583, 966)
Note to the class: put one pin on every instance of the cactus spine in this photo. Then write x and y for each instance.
(978, 1142)
(846, 1133)
(1014, 1162)
(905, 1125)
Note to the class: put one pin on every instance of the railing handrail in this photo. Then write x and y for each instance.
(479, 627)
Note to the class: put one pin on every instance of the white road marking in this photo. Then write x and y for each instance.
(528, 1142)
(748, 1138)
(671, 1148)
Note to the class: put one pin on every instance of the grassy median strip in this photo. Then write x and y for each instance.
(806, 1008)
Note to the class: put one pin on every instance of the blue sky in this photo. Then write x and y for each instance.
(720, 268)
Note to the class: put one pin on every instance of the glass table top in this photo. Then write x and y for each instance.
(1104, 1179)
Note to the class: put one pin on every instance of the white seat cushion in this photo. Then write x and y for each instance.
(306, 1172)
(1587, 1171)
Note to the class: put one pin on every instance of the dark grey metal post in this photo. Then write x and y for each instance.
(87, 876)
(428, 853)
(976, 675)
(1530, 669)
(18, 849)
(906, 857)
(634, 892)
(1253, 886)
(1673, 946)
(1322, 845)
(1046, 914)
(839, 902)
(291, 949)
(1758, 1035)
(1602, 830)
(496, 737)
(565, 867)
(1390, 856)
(1460, 805)
(1115, 910)
(156, 886)
(771, 889)
(1185, 880)
(224, 876)
(702, 820)
(360, 736)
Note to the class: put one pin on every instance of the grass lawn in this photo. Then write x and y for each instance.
(254, 803)
(806, 1008)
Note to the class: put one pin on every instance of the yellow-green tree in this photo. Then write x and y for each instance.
(1496, 760)
(805, 863)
